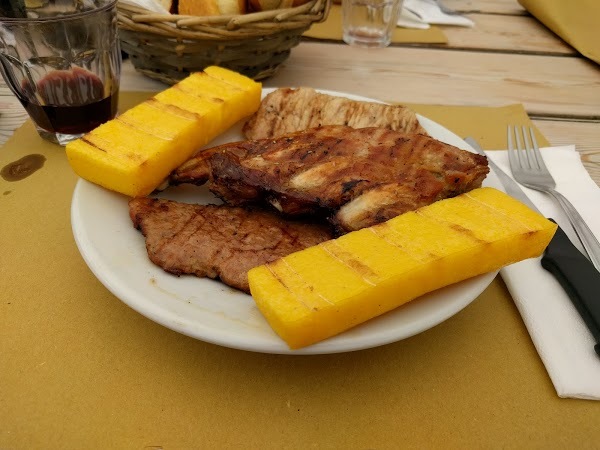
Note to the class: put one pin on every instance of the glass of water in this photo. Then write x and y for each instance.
(370, 23)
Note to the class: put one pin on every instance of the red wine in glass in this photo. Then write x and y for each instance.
(72, 102)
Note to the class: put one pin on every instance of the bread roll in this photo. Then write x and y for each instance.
(212, 7)
(169, 5)
(267, 5)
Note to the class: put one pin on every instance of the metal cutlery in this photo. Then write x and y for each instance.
(574, 272)
(529, 169)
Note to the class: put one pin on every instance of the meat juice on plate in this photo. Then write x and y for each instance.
(370, 22)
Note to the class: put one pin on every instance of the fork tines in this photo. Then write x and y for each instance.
(527, 145)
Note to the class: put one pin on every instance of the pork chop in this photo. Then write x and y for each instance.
(218, 241)
(355, 177)
(288, 110)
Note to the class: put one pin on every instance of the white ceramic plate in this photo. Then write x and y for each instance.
(211, 311)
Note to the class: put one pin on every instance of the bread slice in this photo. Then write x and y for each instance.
(267, 5)
(169, 5)
(211, 7)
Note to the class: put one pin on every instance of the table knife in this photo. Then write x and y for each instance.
(575, 273)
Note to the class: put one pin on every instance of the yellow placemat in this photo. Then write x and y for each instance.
(490, 132)
(331, 29)
(575, 21)
(79, 369)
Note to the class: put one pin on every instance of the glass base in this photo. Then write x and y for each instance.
(366, 40)
(58, 138)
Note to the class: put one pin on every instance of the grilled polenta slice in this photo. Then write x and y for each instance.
(319, 292)
(134, 153)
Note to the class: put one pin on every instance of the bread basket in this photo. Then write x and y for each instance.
(168, 47)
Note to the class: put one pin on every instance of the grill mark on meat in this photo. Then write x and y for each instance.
(349, 185)
(318, 175)
(179, 233)
(287, 110)
(218, 241)
(356, 177)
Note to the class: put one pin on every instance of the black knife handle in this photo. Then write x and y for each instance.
(578, 277)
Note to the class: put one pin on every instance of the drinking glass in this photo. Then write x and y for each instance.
(370, 23)
(62, 60)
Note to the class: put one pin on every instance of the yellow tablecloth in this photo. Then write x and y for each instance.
(575, 21)
(489, 131)
(79, 369)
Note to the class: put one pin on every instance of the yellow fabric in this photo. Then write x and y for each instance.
(80, 369)
(575, 21)
(489, 132)
(331, 29)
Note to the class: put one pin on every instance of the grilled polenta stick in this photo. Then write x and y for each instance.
(319, 292)
(134, 153)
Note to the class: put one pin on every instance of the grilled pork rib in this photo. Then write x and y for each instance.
(287, 110)
(218, 241)
(355, 177)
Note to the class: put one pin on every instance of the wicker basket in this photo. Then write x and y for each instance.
(169, 47)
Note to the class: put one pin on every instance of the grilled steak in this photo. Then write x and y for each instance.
(218, 241)
(356, 177)
(287, 110)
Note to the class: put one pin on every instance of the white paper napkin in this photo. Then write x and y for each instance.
(421, 13)
(559, 334)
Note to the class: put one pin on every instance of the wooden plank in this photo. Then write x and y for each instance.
(546, 85)
(584, 135)
(506, 33)
(486, 6)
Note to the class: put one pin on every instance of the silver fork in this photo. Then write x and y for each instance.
(529, 169)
